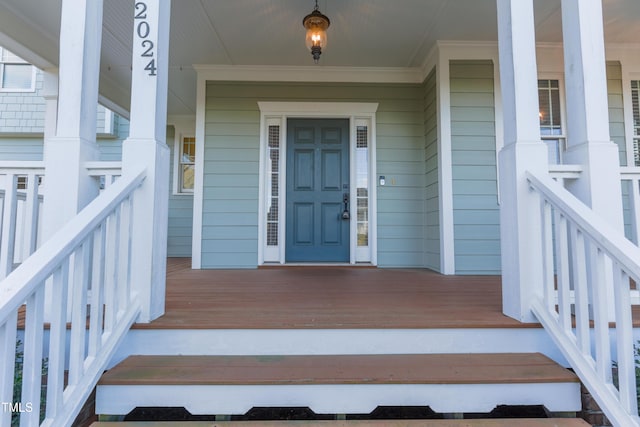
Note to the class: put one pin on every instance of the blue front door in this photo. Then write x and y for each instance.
(317, 187)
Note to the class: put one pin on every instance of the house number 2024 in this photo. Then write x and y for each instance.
(142, 32)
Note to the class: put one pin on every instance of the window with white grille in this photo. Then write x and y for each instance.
(273, 185)
(362, 187)
(187, 164)
(16, 74)
(551, 126)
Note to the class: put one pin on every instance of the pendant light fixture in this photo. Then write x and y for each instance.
(316, 24)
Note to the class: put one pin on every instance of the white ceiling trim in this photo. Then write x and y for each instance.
(310, 74)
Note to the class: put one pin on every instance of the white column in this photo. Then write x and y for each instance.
(68, 187)
(50, 95)
(589, 143)
(521, 241)
(146, 147)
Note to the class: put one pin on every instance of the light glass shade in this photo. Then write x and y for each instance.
(316, 31)
(316, 24)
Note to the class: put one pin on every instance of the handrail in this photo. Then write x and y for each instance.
(85, 267)
(584, 254)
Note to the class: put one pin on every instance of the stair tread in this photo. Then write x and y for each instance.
(524, 422)
(502, 368)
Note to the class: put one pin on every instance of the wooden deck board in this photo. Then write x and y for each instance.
(340, 369)
(522, 422)
(329, 298)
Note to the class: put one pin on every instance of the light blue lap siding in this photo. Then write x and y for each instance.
(230, 216)
(432, 195)
(617, 133)
(180, 230)
(473, 143)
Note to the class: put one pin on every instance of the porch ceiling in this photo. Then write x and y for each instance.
(363, 33)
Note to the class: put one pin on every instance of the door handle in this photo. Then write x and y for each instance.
(345, 212)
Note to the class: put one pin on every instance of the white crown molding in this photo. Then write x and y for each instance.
(310, 74)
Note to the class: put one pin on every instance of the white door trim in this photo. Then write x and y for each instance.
(278, 113)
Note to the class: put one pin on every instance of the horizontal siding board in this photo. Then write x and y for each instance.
(233, 129)
(474, 202)
(222, 232)
(230, 218)
(472, 172)
(236, 180)
(472, 128)
(225, 194)
(239, 206)
(474, 187)
(229, 245)
(415, 245)
(229, 260)
(478, 247)
(481, 114)
(471, 99)
(231, 168)
(474, 158)
(399, 259)
(232, 142)
(477, 232)
(472, 85)
(475, 217)
(470, 69)
(476, 264)
(233, 154)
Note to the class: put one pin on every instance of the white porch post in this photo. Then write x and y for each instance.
(589, 143)
(521, 240)
(68, 186)
(70, 138)
(50, 95)
(146, 146)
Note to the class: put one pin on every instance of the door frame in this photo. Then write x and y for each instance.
(275, 114)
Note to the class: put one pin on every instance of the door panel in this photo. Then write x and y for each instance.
(303, 224)
(303, 170)
(317, 179)
(331, 170)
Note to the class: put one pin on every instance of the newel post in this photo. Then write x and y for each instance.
(520, 228)
(146, 147)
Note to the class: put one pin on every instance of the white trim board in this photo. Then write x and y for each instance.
(279, 112)
(310, 74)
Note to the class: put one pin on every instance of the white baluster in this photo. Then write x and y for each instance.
(32, 366)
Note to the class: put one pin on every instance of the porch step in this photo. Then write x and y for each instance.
(507, 422)
(347, 384)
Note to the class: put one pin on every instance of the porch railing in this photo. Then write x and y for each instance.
(589, 266)
(105, 172)
(21, 202)
(85, 266)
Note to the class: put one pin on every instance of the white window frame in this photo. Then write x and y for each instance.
(32, 87)
(563, 116)
(633, 140)
(277, 113)
(180, 135)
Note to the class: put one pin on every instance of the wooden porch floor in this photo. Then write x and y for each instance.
(328, 298)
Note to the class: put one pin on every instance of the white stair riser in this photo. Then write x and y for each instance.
(331, 399)
(336, 341)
